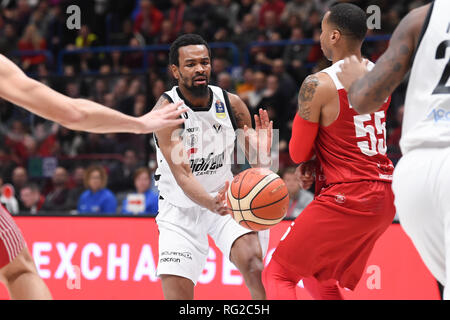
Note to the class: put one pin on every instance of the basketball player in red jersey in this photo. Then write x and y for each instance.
(329, 243)
(17, 269)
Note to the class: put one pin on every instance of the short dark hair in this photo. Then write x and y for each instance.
(183, 41)
(32, 186)
(350, 20)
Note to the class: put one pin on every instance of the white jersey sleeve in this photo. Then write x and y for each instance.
(426, 120)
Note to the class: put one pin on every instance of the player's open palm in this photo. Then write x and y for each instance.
(167, 116)
(306, 173)
(220, 201)
(260, 138)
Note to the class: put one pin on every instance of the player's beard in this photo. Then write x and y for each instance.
(198, 91)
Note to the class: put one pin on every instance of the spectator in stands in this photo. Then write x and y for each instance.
(144, 201)
(247, 7)
(225, 82)
(41, 18)
(58, 35)
(6, 164)
(8, 39)
(85, 37)
(288, 87)
(19, 178)
(167, 34)
(246, 31)
(219, 65)
(20, 15)
(176, 15)
(134, 59)
(76, 189)
(69, 141)
(30, 41)
(57, 199)
(246, 85)
(295, 56)
(31, 198)
(7, 197)
(97, 199)
(300, 8)
(312, 24)
(298, 198)
(255, 96)
(157, 88)
(121, 176)
(148, 21)
(275, 6)
(189, 26)
(277, 106)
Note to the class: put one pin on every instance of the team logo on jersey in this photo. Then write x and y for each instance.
(339, 198)
(217, 127)
(208, 165)
(220, 110)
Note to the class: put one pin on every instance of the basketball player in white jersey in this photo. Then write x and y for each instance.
(17, 269)
(194, 170)
(421, 184)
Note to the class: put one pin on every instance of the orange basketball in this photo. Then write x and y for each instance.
(258, 199)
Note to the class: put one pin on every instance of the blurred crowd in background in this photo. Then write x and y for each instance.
(54, 169)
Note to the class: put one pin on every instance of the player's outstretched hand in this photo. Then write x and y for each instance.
(167, 116)
(306, 173)
(260, 139)
(220, 201)
(351, 70)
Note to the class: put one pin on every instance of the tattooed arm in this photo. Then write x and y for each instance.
(316, 92)
(367, 90)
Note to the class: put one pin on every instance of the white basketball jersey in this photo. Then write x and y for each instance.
(426, 120)
(208, 138)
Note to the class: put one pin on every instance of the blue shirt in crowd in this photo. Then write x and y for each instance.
(101, 202)
(151, 204)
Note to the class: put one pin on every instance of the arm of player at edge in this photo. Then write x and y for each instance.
(256, 143)
(313, 94)
(172, 148)
(77, 114)
(367, 90)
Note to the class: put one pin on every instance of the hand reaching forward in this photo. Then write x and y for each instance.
(219, 204)
(167, 116)
(351, 70)
(260, 138)
(306, 173)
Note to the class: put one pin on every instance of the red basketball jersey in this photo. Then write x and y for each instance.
(353, 147)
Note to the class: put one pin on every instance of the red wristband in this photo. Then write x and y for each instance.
(304, 134)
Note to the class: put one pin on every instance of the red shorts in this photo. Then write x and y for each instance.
(11, 240)
(334, 235)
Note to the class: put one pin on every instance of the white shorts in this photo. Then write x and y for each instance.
(421, 187)
(183, 238)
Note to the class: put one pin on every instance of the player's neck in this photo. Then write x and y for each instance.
(193, 100)
(345, 54)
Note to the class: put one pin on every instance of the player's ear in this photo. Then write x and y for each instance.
(335, 36)
(174, 70)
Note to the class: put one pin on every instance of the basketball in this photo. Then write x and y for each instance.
(258, 199)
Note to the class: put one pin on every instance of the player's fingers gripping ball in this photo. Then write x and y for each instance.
(258, 199)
